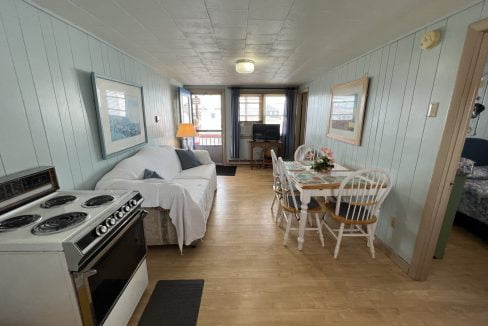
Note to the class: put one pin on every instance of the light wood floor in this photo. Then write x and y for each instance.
(252, 279)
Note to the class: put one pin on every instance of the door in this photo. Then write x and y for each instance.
(207, 119)
(301, 118)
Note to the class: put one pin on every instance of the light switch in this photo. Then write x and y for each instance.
(433, 108)
(157, 118)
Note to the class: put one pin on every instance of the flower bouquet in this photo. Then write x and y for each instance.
(324, 161)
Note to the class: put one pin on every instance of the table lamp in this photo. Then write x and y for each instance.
(186, 130)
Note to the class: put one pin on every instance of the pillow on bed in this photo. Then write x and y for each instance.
(479, 173)
(465, 166)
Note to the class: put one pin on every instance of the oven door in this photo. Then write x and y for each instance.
(104, 279)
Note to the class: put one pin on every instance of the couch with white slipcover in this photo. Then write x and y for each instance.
(179, 204)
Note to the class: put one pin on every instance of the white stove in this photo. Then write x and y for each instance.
(22, 238)
(69, 257)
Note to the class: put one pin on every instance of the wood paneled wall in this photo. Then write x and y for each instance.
(397, 134)
(47, 111)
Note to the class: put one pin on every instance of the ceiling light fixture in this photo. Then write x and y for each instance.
(244, 66)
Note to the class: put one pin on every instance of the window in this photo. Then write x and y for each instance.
(274, 109)
(250, 108)
(266, 108)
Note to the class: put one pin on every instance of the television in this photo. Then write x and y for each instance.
(261, 131)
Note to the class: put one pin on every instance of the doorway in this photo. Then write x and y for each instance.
(470, 72)
(207, 119)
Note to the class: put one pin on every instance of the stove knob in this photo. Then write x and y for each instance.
(110, 222)
(132, 203)
(101, 229)
(119, 215)
(126, 208)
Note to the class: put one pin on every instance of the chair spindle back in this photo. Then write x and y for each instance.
(287, 186)
(363, 192)
(302, 151)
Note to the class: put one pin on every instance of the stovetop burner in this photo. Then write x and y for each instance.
(59, 223)
(16, 222)
(58, 201)
(98, 201)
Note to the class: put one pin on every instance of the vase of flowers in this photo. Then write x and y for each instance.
(324, 161)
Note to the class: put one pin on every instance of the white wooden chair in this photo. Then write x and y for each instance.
(291, 206)
(358, 203)
(302, 150)
(276, 185)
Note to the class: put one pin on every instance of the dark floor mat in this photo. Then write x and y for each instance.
(173, 303)
(228, 171)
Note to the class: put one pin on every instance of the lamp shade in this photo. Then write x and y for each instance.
(244, 66)
(186, 130)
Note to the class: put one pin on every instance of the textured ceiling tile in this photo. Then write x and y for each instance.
(153, 17)
(190, 59)
(231, 44)
(260, 39)
(258, 48)
(211, 55)
(290, 34)
(264, 26)
(205, 48)
(194, 65)
(195, 26)
(212, 62)
(202, 39)
(286, 45)
(170, 34)
(230, 33)
(232, 53)
(227, 4)
(178, 44)
(185, 8)
(269, 9)
(184, 52)
(232, 18)
(279, 53)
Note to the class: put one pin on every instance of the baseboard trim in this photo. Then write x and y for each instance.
(390, 253)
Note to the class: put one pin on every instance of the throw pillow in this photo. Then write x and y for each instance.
(150, 174)
(188, 159)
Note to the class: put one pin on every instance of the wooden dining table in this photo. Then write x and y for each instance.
(314, 184)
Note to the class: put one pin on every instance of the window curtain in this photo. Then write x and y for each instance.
(289, 123)
(234, 114)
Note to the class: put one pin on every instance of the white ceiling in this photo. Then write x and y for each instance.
(198, 41)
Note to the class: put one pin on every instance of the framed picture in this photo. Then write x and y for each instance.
(185, 105)
(120, 111)
(347, 111)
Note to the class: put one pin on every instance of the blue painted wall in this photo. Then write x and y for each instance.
(397, 134)
(47, 112)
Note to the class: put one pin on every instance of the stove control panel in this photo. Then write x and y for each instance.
(110, 222)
